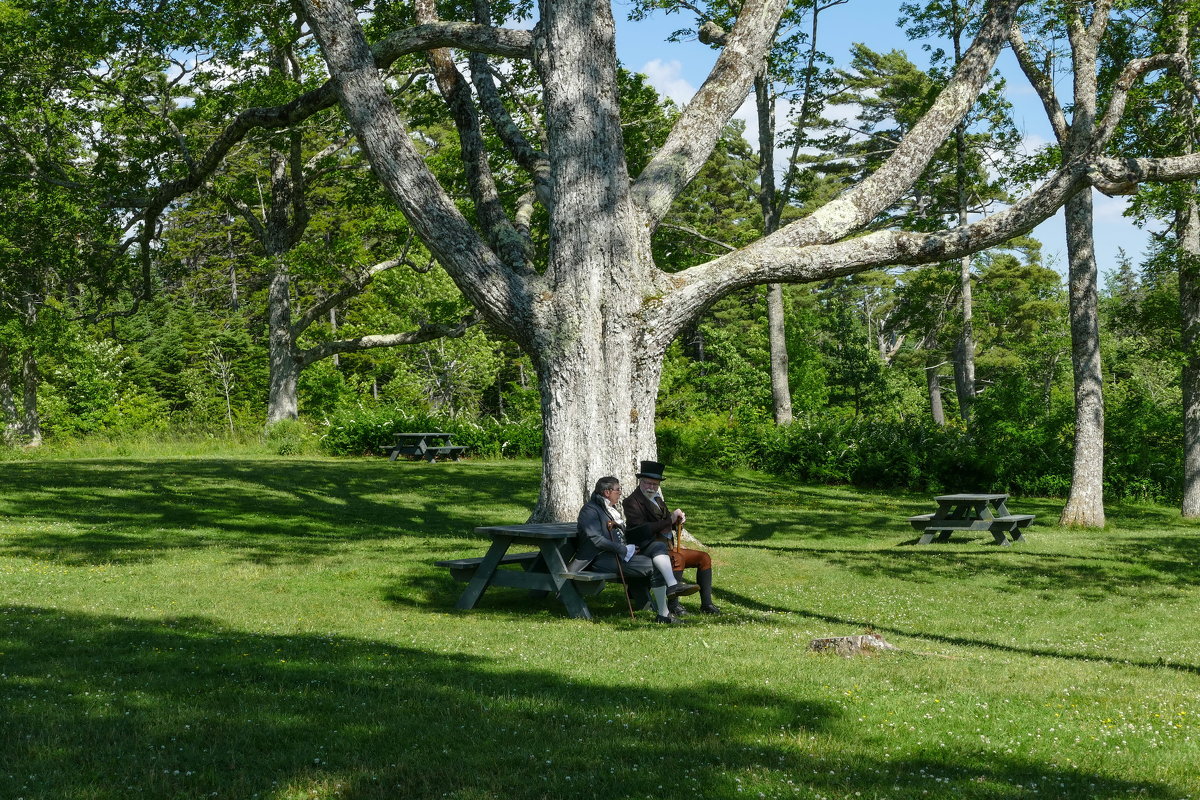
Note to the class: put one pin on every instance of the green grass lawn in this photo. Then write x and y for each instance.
(275, 628)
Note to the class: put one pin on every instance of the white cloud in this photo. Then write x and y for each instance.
(667, 79)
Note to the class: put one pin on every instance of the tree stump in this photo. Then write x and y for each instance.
(846, 646)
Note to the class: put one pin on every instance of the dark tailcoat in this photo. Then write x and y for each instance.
(644, 520)
(603, 547)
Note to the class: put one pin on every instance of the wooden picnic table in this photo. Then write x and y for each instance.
(428, 445)
(541, 571)
(971, 512)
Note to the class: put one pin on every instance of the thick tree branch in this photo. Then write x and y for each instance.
(697, 130)
(488, 208)
(693, 232)
(531, 159)
(499, 292)
(245, 212)
(856, 207)
(771, 260)
(1130, 74)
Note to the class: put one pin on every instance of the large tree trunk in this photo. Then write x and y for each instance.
(1187, 236)
(933, 381)
(781, 391)
(8, 405)
(282, 402)
(965, 372)
(597, 412)
(1085, 506)
(30, 429)
(1188, 242)
(780, 388)
(598, 366)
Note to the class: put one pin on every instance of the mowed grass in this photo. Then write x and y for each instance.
(275, 628)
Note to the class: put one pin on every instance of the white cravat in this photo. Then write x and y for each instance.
(614, 512)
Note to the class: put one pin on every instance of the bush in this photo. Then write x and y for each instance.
(368, 430)
(288, 437)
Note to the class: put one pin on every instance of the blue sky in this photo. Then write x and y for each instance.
(677, 69)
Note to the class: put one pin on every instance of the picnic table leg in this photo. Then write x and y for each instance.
(538, 566)
(926, 536)
(395, 452)
(483, 575)
(571, 598)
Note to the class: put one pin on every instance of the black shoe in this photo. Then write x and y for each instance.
(669, 620)
(676, 608)
(682, 589)
(709, 609)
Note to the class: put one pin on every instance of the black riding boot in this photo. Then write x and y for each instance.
(673, 604)
(704, 579)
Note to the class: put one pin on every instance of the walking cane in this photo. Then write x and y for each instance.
(625, 588)
(621, 574)
(678, 545)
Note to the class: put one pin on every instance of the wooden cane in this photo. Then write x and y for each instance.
(678, 536)
(621, 574)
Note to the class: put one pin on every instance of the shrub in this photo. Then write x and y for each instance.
(368, 430)
(288, 437)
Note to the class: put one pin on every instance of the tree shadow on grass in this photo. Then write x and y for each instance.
(846, 624)
(1156, 569)
(117, 511)
(107, 707)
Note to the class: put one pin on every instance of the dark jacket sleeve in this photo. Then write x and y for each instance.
(641, 523)
(593, 526)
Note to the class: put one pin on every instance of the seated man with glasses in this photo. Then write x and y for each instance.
(600, 533)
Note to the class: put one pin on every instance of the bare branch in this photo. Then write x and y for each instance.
(425, 333)
(532, 160)
(354, 286)
(1130, 74)
(1040, 81)
(244, 211)
(699, 235)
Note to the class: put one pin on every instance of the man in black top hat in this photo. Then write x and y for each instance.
(647, 520)
(600, 532)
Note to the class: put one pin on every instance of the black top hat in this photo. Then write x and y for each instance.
(652, 470)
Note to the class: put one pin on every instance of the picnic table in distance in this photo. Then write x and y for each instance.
(427, 445)
(971, 512)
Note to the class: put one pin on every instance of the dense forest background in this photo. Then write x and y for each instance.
(171, 337)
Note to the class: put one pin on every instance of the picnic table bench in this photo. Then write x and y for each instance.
(971, 512)
(428, 446)
(542, 571)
